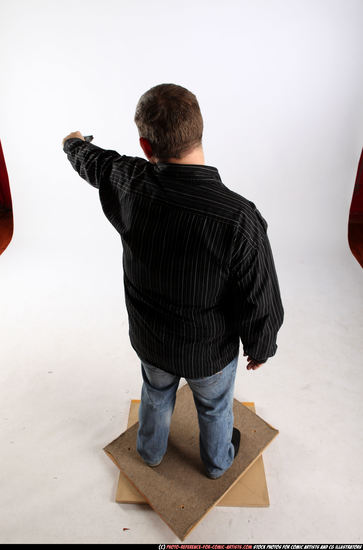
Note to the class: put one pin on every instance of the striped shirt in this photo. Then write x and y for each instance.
(198, 269)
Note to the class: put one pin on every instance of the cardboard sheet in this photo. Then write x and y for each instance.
(178, 489)
(250, 490)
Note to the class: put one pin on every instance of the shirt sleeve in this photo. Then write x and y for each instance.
(108, 171)
(90, 161)
(257, 300)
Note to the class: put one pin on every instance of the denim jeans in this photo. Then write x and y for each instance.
(213, 398)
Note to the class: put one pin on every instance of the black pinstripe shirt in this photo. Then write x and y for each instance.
(198, 269)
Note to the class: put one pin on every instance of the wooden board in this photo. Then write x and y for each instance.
(178, 489)
(250, 490)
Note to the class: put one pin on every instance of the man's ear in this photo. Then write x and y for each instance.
(146, 147)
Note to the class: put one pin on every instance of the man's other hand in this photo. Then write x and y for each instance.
(252, 364)
(73, 135)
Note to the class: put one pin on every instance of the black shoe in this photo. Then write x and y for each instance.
(236, 438)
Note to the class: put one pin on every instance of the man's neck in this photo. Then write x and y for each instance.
(195, 157)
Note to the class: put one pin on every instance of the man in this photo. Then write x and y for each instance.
(198, 271)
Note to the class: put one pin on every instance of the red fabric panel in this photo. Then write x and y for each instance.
(357, 199)
(6, 213)
(355, 224)
(5, 196)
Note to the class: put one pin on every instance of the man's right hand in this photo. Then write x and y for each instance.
(73, 135)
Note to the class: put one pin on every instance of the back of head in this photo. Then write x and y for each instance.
(169, 117)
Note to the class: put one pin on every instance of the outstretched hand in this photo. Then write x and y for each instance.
(73, 135)
(252, 364)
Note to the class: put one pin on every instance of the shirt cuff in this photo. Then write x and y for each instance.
(68, 142)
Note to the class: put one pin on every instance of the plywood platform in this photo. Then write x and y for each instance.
(250, 490)
(178, 490)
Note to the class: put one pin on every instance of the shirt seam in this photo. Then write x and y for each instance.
(199, 213)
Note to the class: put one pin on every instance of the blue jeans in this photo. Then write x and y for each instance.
(213, 398)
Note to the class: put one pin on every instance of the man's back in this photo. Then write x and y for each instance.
(198, 268)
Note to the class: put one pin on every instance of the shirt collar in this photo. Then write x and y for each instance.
(187, 171)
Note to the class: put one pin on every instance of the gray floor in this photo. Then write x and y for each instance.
(68, 373)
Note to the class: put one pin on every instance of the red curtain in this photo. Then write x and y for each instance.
(355, 224)
(6, 212)
(5, 196)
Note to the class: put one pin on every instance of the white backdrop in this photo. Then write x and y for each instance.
(280, 86)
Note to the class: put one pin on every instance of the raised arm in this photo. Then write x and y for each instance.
(90, 161)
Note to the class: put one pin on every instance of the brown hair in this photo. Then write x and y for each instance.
(169, 117)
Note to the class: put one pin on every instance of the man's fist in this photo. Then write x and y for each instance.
(73, 135)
